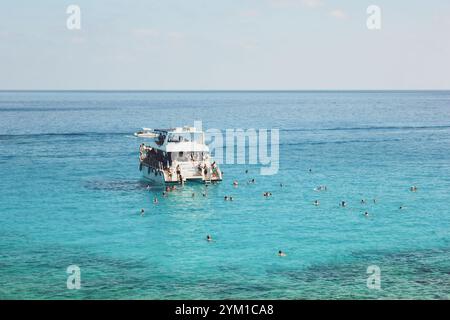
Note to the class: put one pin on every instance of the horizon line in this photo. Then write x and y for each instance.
(224, 90)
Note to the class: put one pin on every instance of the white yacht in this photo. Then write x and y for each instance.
(175, 156)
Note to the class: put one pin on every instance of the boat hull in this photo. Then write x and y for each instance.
(153, 175)
(156, 176)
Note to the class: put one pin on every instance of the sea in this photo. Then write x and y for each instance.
(71, 194)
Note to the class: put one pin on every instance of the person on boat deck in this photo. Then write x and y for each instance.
(178, 171)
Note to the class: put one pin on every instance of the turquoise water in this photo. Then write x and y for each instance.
(71, 192)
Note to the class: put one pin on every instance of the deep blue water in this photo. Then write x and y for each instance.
(71, 192)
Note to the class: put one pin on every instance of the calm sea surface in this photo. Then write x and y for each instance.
(71, 192)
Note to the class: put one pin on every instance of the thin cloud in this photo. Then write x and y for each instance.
(338, 14)
(146, 32)
(249, 13)
(312, 3)
(78, 40)
(296, 3)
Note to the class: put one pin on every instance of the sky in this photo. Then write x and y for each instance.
(224, 45)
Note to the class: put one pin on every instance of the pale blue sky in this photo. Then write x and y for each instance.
(224, 44)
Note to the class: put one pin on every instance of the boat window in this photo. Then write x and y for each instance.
(185, 137)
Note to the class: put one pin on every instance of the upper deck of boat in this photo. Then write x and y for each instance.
(178, 139)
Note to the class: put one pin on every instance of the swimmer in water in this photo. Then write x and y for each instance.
(225, 198)
(193, 195)
(374, 200)
(235, 183)
(363, 201)
(204, 194)
(281, 253)
(316, 202)
(164, 194)
(343, 204)
(366, 214)
(155, 200)
(142, 211)
(413, 189)
(208, 238)
(246, 171)
(231, 198)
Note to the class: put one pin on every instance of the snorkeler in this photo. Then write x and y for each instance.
(281, 253)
